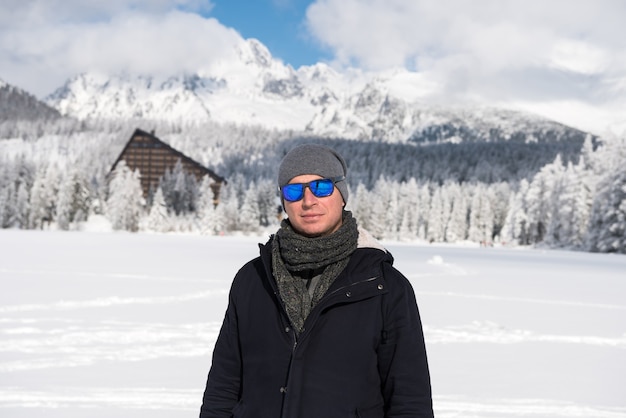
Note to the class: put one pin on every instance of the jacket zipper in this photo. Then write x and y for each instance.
(306, 330)
(285, 388)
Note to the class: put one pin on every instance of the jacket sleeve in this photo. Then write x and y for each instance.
(403, 365)
(223, 384)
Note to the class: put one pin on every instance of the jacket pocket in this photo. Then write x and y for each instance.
(370, 412)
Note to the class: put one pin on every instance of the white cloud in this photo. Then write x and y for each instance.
(49, 41)
(379, 33)
(51, 12)
(579, 57)
(494, 50)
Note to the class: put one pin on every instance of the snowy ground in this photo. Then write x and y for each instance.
(123, 325)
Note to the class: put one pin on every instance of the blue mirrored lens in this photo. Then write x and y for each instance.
(319, 188)
(293, 192)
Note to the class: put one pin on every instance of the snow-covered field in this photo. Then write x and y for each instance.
(123, 325)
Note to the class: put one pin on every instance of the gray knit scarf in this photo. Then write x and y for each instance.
(295, 258)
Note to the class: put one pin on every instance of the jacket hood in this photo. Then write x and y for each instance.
(367, 240)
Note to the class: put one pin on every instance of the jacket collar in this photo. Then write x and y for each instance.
(364, 268)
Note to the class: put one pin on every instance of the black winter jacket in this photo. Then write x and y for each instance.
(361, 353)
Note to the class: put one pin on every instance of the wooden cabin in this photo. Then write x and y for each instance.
(153, 158)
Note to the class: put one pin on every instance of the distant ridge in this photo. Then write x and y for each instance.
(367, 114)
(19, 105)
(251, 88)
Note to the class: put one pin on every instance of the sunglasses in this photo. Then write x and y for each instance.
(320, 188)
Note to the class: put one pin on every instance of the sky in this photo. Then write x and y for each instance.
(564, 59)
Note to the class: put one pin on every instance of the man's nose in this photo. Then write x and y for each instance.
(308, 198)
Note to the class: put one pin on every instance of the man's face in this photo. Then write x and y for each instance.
(315, 216)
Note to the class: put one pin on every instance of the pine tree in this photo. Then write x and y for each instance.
(64, 213)
(408, 207)
(180, 190)
(10, 211)
(22, 207)
(158, 219)
(540, 202)
(376, 225)
(4, 206)
(73, 201)
(228, 209)
(39, 201)
(209, 222)
(380, 223)
(437, 218)
(456, 229)
(206, 213)
(392, 214)
(268, 202)
(515, 225)
(44, 194)
(608, 216)
(360, 206)
(499, 196)
(125, 203)
(481, 217)
(16, 179)
(571, 210)
(249, 215)
(422, 212)
(583, 202)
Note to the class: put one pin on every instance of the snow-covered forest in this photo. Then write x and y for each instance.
(54, 175)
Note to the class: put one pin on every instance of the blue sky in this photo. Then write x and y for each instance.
(279, 25)
(564, 59)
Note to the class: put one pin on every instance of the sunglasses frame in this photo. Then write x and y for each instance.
(333, 180)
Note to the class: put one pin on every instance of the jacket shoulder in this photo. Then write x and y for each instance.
(258, 264)
(254, 275)
(250, 270)
(382, 261)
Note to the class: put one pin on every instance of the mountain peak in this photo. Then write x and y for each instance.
(250, 87)
(252, 51)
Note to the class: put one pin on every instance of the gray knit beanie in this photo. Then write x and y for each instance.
(313, 159)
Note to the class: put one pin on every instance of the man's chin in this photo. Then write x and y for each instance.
(314, 228)
(311, 232)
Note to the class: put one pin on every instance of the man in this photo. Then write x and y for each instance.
(320, 325)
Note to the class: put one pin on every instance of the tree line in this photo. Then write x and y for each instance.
(565, 195)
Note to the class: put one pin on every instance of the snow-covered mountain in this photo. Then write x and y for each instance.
(253, 88)
(17, 104)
